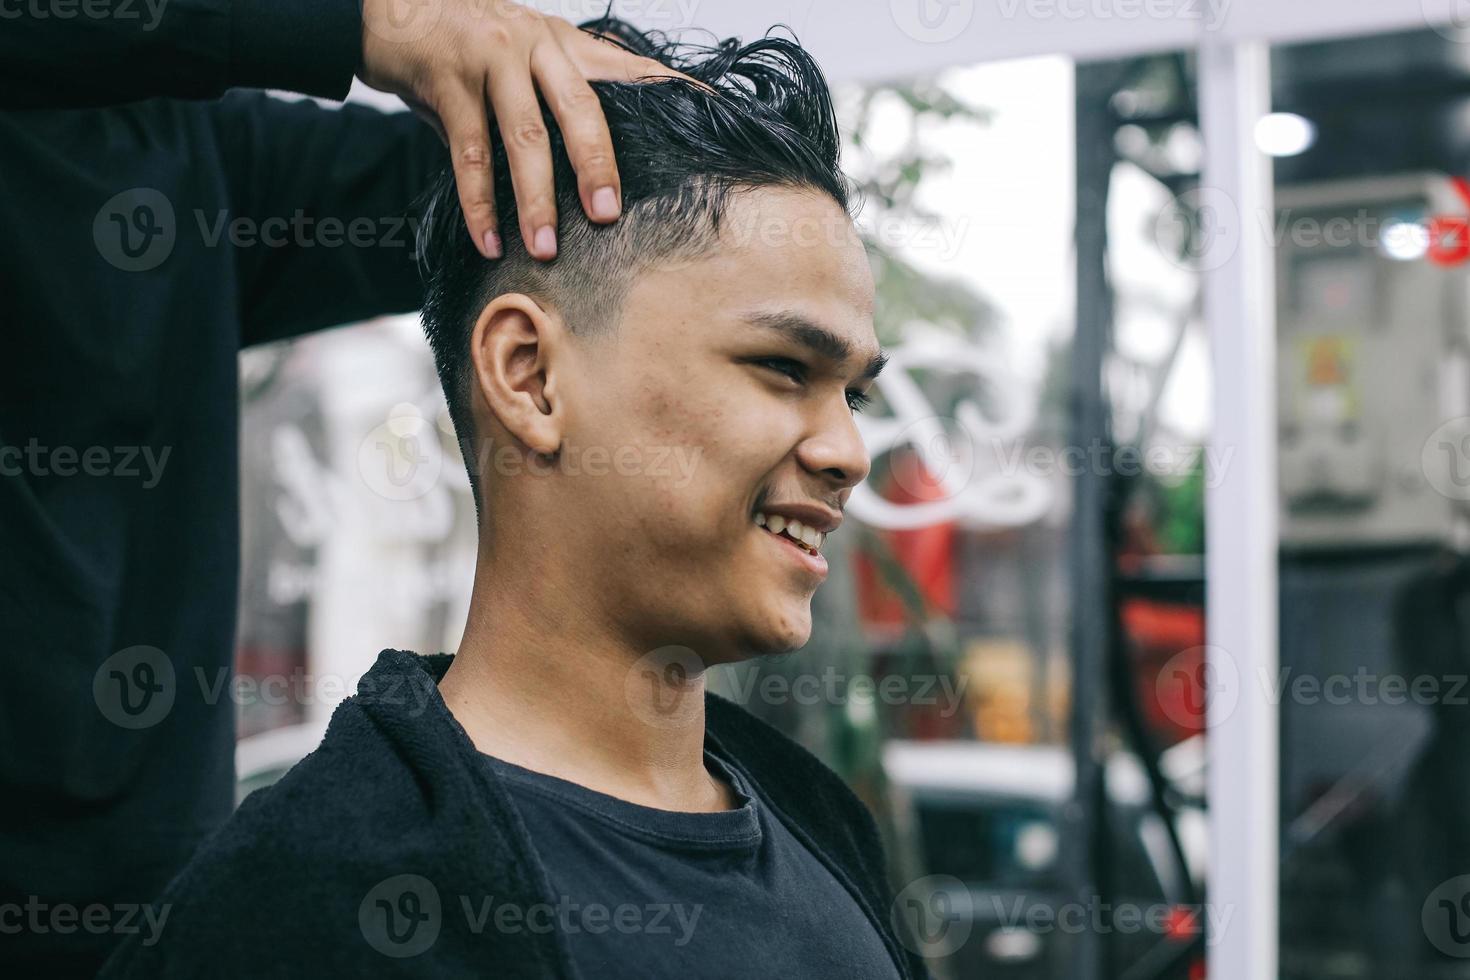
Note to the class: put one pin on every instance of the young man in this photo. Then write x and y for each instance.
(659, 431)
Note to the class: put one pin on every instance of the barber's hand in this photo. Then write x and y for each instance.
(457, 63)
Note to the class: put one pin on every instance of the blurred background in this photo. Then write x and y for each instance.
(1137, 264)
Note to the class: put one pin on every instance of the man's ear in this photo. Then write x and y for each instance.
(512, 347)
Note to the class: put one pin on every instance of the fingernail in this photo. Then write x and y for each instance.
(546, 241)
(492, 244)
(605, 204)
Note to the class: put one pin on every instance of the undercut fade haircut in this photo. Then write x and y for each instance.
(681, 151)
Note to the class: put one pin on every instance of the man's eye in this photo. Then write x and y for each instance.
(795, 370)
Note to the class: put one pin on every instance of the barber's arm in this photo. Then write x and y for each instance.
(456, 62)
(321, 203)
(88, 53)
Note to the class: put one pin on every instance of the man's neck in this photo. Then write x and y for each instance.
(536, 689)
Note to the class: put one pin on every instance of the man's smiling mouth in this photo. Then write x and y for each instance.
(808, 539)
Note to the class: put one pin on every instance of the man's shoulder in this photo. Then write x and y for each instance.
(298, 858)
(350, 789)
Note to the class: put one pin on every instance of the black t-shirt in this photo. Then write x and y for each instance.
(646, 893)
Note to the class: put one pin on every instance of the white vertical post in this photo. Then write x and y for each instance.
(1240, 515)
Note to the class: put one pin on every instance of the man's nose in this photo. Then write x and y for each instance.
(836, 450)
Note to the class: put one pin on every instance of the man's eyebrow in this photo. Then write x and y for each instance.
(816, 338)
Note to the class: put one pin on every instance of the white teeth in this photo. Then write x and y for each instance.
(795, 530)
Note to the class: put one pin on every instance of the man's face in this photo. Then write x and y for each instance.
(714, 404)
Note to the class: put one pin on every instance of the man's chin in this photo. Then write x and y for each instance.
(786, 637)
(777, 630)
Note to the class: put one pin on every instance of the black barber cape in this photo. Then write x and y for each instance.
(358, 862)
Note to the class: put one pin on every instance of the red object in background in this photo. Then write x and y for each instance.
(1182, 923)
(1449, 234)
(278, 705)
(926, 554)
(1166, 644)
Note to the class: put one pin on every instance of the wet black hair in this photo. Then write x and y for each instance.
(680, 151)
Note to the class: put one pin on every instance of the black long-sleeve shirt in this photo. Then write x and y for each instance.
(142, 244)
